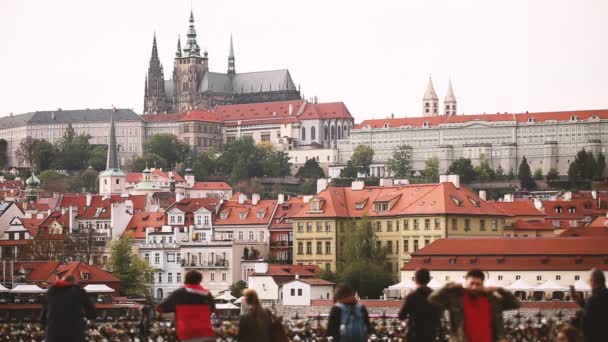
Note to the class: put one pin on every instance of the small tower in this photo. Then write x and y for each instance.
(231, 68)
(189, 177)
(31, 191)
(112, 180)
(430, 101)
(171, 184)
(154, 96)
(450, 101)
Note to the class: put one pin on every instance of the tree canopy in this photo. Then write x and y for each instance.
(431, 169)
(168, 147)
(362, 158)
(525, 176)
(134, 273)
(3, 153)
(400, 164)
(311, 169)
(138, 163)
(463, 168)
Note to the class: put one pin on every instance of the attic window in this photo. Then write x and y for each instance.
(243, 215)
(223, 215)
(571, 210)
(360, 205)
(386, 125)
(573, 118)
(85, 275)
(559, 210)
(531, 119)
(425, 124)
(381, 206)
(261, 214)
(457, 201)
(474, 202)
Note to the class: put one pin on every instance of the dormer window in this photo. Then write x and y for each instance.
(573, 118)
(531, 120)
(474, 202)
(223, 215)
(360, 205)
(386, 125)
(85, 275)
(381, 206)
(426, 123)
(243, 215)
(314, 205)
(457, 201)
(260, 214)
(571, 210)
(559, 210)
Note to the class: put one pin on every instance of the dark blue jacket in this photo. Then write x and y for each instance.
(595, 317)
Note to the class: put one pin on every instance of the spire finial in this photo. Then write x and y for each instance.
(112, 161)
(178, 52)
(231, 64)
(154, 49)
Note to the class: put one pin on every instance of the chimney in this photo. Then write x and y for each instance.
(255, 198)
(568, 196)
(242, 198)
(594, 194)
(260, 267)
(179, 196)
(454, 179)
(386, 182)
(290, 109)
(281, 199)
(538, 204)
(508, 198)
(443, 179)
(89, 199)
(357, 185)
(482, 195)
(297, 276)
(62, 210)
(72, 218)
(321, 184)
(306, 199)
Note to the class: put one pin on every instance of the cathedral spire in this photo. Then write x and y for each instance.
(154, 56)
(231, 68)
(178, 53)
(112, 161)
(430, 93)
(430, 101)
(192, 48)
(450, 101)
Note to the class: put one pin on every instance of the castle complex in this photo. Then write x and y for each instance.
(193, 86)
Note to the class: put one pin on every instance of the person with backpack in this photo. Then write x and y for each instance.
(64, 310)
(193, 306)
(348, 319)
(424, 318)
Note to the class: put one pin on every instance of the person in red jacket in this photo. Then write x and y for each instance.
(193, 306)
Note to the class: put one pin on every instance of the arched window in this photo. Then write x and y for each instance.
(339, 132)
(333, 132)
(313, 134)
(303, 137)
(159, 294)
(326, 132)
(345, 131)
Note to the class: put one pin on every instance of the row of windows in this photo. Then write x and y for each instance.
(178, 277)
(319, 226)
(319, 247)
(518, 277)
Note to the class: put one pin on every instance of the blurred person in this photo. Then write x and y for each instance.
(348, 320)
(568, 333)
(423, 317)
(475, 311)
(64, 309)
(256, 323)
(595, 311)
(193, 306)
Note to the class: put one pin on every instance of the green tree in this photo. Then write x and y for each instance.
(463, 168)
(601, 166)
(25, 151)
(581, 162)
(538, 174)
(364, 261)
(431, 169)
(53, 181)
(43, 155)
(484, 171)
(274, 163)
(89, 181)
(134, 273)
(525, 176)
(362, 158)
(204, 166)
(349, 171)
(168, 147)
(400, 165)
(138, 163)
(500, 173)
(553, 174)
(590, 166)
(3, 153)
(311, 169)
(573, 172)
(240, 160)
(98, 157)
(236, 289)
(73, 151)
(511, 174)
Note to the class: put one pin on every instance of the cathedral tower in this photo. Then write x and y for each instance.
(430, 101)
(231, 67)
(112, 181)
(450, 101)
(154, 98)
(189, 69)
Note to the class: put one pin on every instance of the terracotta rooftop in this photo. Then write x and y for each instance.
(135, 177)
(202, 115)
(190, 205)
(290, 270)
(233, 213)
(518, 208)
(212, 186)
(284, 212)
(76, 268)
(140, 221)
(532, 225)
(459, 119)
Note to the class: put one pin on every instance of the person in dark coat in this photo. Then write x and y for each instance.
(63, 311)
(256, 323)
(344, 295)
(423, 317)
(595, 311)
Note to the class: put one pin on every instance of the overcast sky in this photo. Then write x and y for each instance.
(376, 56)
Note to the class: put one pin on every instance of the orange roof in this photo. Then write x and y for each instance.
(507, 263)
(35, 271)
(77, 268)
(518, 208)
(516, 246)
(211, 186)
(190, 205)
(140, 221)
(32, 224)
(599, 222)
(231, 211)
(100, 205)
(416, 199)
(325, 110)
(285, 211)
(534, 225)
(201, 115)
(316, 281)
(458, 119)
(278, 112)
(290, 270)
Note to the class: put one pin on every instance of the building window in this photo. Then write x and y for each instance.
(319, 226)
(303, 133)
(327, 247)
(224, 276)
(300, 248)
(389, 226)
(406, 246)
(309, 227)
(406, 224)
(309, 248)
(156, 258)
(327, 227)
(558, 277)
(416, 224)
(378, 226)
(467, 225)
(577, 277)
(427, 224)
(265, 137)
(454, 224)
(300, 227)
(426, 242)
(389, 247)
(437, 224)
(179, 277)
(312, 133)
(160, 278)
(415, 245)
(147, 257)
(380, 207)
(170, 277)
(482, 224)
(517, 277)
(299, 292)
(539, 278)
(319, 247)
(494, 225)
(292, 292)
(499, 277)
(397, 223)
(212, 277)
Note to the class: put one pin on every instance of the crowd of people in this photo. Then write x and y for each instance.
(475, 312)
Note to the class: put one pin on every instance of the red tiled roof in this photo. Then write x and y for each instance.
(587, 231)
(599, 222)
(256, 111)
(39, 271)
(201, 115)
(11, 185)
(76, 269)
(515, 246)
(140, 221)
(211, 186)
(518, 208)
(290, 270)
(458, 119)
(162, 117)
(190, 205)
(100, 202)
(285, 211)
(233, 210)
(419, 199)
(332, 110)
(535, 225)
(32, 225)
(506, 263)
(316, 281)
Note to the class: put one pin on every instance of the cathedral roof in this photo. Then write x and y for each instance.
(430, 93)
(249, 82)
(69, 116)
